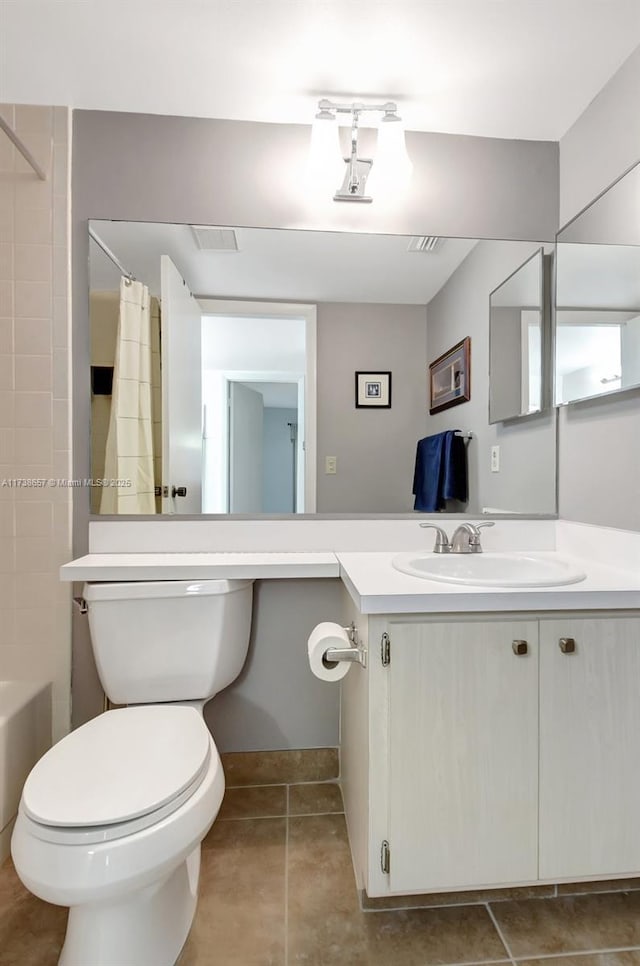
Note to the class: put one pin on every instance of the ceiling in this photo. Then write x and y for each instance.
(284, 264)
(502, 68)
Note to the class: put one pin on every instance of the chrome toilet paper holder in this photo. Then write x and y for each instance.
(356, 653)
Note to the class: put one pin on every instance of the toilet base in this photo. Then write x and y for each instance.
(144, 928)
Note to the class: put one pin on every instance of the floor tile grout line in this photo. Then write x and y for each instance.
(479, 962)
(285, 814)
(501, 936)
(526, 957)
(314, 814)
(494, 901)
(281, 784)
(437, 905)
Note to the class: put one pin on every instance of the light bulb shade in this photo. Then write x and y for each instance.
(325, 165)
(392, 167)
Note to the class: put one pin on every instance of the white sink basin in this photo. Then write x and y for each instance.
(490, 569)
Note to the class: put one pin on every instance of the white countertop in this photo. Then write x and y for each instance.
(610, 558)
(199, 566)
(376, 587)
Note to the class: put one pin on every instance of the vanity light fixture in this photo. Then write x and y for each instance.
(392, 163)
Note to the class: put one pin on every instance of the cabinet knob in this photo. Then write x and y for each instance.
(519, 648)
(567, 645)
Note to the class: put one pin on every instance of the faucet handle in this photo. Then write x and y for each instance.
(442, 544)
(474, 539)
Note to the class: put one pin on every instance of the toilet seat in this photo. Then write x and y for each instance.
(88, 787)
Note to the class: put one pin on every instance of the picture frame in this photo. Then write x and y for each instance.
(450, 377)
(373, 390)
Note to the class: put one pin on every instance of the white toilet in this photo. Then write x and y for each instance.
(112, 817)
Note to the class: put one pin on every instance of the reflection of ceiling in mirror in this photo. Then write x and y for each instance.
(276, 395)
(599, 276)
(613, 218)
(523, 288)
(281, 264)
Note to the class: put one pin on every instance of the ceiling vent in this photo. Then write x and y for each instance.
(210, 239)
(424, 243)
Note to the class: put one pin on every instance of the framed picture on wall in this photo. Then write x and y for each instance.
(373, 390)
(450, 378)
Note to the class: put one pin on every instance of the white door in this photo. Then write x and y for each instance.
(181, 353)
(589, 748)
(246, 434)
(463, 755)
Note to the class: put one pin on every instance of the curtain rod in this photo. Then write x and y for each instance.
(109, 254)
(22, 148)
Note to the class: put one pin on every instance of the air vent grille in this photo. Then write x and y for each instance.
(424, 243)
(211, 239)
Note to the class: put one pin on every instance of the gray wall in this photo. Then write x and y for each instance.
(603, 142)
(276, 702)
(526, 481)
(599, 456)
(375, 448)
(192, 170)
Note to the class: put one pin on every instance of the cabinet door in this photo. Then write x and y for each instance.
(590, 748)
(463, 755)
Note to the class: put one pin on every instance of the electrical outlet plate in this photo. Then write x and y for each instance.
(330, 465)
(495, 459)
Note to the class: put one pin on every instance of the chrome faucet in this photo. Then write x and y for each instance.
(466, 538)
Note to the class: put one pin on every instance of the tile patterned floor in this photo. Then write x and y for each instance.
(277, 889)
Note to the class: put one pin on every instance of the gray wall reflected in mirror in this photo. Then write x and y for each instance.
(518, 336)
(598, 296)
(367, 302)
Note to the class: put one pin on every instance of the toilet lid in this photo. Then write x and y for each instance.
(117, 767)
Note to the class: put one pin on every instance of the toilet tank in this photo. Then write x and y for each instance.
(169, 640)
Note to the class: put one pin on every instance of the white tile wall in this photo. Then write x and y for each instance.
(35, 400)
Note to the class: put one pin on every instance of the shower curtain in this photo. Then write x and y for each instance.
(128, 485)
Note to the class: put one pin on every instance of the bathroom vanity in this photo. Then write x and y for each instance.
(493, 739)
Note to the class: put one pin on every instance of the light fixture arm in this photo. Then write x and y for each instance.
(388, 107)
(354, 179)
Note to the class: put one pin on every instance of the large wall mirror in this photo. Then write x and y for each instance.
(249, 347)
(597, 335)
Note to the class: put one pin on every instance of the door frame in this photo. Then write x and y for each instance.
(307, 458)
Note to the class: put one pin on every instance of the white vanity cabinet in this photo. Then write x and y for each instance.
(479, 752)
(590, 748)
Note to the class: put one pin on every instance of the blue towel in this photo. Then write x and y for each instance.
(440, 472)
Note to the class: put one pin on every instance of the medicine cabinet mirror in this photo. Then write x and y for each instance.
(519, 323)
(256, 336)
(597, 337)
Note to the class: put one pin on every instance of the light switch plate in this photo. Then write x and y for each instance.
(495, 459)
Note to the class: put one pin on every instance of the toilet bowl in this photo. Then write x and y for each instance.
(112, 818)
